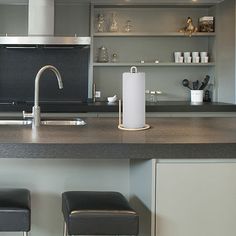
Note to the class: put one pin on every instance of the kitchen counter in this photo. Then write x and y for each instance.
(168, 138)
(162, 106)
(168, 106)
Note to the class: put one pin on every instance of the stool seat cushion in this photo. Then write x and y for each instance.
(98, 213)
(14, 210)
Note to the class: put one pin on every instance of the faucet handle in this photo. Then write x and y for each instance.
(27, 115)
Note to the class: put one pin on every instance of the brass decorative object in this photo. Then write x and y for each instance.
(189, 29)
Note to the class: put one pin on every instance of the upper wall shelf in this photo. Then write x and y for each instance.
(155, 3)
(152, 34)
(97, 64)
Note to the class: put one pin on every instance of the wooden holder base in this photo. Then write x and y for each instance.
(120, 126)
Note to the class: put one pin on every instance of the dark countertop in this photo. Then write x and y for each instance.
(168, 106)
(168, 138)
(162, 106)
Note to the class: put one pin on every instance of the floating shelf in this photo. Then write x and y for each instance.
(108, 64)
(152, 34)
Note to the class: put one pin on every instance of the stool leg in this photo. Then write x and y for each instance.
(25, 233)
(65, 232)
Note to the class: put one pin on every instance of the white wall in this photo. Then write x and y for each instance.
(13, 20)
(69, 20)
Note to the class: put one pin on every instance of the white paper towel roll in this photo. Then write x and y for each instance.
(133, 99)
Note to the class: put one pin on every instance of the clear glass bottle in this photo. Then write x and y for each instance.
(152, 96)
(147, 95)
(128, 26)
(114, 24)
(114, 57)
(103, 54)
(100, 23)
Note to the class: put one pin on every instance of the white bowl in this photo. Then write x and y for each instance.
(112, 99)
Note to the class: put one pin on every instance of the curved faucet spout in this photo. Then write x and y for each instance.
(36, 109)
(37, 79)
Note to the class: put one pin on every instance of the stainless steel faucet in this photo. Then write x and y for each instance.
(35, 115)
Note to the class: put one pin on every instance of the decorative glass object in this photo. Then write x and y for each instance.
(128, 26)
(100, 23)
(147, 95)
(153, 96)
(103, 54)
(113, 24)
(114, 57)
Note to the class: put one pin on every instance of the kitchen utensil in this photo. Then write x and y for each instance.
(196, 97)
(204, 82)
(207, 97)
(185, 83)
(195, 85)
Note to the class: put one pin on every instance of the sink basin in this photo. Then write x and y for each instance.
(15, 122)
(76, 121)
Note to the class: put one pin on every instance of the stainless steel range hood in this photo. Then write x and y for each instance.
(41, 17)
(44, 40)
(41, 28)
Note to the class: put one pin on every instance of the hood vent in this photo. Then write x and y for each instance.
(41, 17)
(41, 29)
(44, 40)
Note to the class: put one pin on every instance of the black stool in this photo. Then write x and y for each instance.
(98, 213)
(15, 210)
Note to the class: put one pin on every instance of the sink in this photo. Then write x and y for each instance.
(76, 121)
(15, 122)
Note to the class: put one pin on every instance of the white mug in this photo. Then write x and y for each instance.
(177, 56)
(188, 59)
(186, 54)
(204, 59)
(203, 54)
(195, 54)
(181, 59)
(196, 59)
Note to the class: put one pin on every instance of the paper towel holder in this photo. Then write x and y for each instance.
(120, 125)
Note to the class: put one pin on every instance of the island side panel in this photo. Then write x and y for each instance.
(196, 198)
(142, 193)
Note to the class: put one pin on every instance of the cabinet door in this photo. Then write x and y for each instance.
(196, 199)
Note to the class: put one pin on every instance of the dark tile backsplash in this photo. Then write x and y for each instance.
(18, 68)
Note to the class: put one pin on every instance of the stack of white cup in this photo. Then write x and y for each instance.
(196, 58)
(204, 57)
(178, 57)
(186, 57)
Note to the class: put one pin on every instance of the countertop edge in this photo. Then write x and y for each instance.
(118, 151)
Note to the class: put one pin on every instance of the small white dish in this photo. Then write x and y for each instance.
(112, 99)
